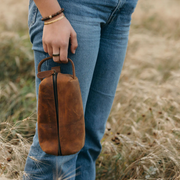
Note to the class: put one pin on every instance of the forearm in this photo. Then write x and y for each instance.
(47, 7)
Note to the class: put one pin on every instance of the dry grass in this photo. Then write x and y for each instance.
(14, 147)
(142, 136)
(13, 15)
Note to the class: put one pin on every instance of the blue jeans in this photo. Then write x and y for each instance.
(102, 29)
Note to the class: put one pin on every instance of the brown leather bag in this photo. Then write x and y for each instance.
(61, 127)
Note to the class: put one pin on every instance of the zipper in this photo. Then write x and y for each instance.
(56, 106)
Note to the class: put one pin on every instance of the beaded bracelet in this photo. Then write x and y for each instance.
(53, 15)
(50, 22)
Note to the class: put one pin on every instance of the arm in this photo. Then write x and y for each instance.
(56, 35)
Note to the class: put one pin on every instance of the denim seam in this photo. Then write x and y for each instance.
(34, 17)
(47, 64)
(110, 18)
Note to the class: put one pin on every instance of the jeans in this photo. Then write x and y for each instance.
(102, 29)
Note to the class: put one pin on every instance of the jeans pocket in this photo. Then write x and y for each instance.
(32, 13)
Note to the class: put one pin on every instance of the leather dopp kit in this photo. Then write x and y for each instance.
(61, 126)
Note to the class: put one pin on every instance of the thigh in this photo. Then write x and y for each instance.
(112, 51)
(111, 55)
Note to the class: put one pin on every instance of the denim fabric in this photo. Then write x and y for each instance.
(102, 28)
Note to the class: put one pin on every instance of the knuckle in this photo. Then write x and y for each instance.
(50, 52)
(64, 61)
(76, 45)
(63, 58)
(64, 43)
(74, 35)
(56, 42)
(44, 39)
(55, 59)
(48, 41)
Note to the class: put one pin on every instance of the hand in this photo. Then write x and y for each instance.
(56, 38)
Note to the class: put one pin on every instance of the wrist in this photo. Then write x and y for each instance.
(53, 15)
(54, 20)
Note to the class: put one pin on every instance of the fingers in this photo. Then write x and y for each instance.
(57, 47)
(56, 41)
(50, 49)
(74, 43)
(64, 51)
(45, 47)
(61, 48)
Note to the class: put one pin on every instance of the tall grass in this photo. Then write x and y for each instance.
(142, 138)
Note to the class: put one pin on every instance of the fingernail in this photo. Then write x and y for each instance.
(74, 51)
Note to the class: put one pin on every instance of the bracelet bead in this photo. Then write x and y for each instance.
(53, 15)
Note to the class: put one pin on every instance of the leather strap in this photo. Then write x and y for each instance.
(45, 74)
(45, 59)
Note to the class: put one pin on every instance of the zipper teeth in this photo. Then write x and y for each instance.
(56, 105)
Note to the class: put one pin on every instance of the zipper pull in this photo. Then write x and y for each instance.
(45, 74)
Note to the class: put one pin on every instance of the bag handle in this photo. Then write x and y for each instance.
(45, 59)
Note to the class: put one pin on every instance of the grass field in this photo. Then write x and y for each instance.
(142, 139)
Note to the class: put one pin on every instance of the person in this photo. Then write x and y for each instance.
(94, 34)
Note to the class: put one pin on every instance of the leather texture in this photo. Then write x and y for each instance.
(71, 129)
